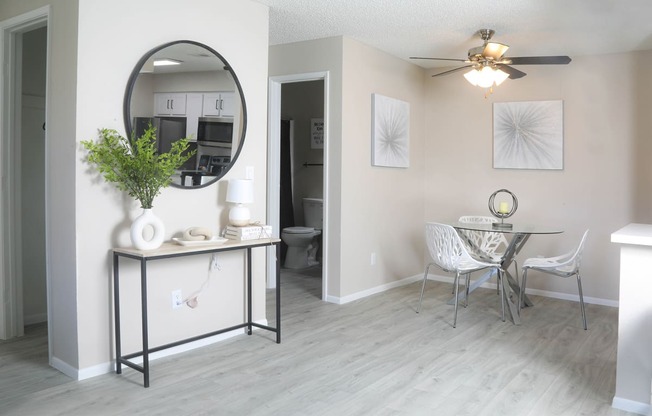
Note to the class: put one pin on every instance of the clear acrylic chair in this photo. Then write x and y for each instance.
(566, 265)
(449, 253)
(490, 245)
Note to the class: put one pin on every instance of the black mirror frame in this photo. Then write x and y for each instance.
(132, 81)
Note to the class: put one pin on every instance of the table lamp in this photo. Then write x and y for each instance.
(240, 192)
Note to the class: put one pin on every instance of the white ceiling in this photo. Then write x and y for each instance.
(446, 28)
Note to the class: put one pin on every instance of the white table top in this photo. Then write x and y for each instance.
(173, 249)
(517, 228)
(638, 234)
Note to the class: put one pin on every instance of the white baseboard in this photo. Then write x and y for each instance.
(109, 367)
(449, 279)
(373, 290)
(631, 406)
(545, 293)
(65, 368)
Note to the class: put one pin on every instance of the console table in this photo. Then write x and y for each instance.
(171, 250)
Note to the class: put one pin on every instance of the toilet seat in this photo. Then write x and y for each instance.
(298, 230)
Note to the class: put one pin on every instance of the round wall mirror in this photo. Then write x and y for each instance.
(187, 89)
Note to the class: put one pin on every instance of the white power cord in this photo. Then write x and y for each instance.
(193, 300)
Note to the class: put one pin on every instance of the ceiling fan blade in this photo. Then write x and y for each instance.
(438, 59)
(513, 72)
(453, 70)
(540, 60)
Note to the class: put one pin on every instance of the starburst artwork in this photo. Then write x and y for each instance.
(390, 135)
(529, 135)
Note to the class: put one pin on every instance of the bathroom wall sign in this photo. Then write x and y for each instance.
(316, 133)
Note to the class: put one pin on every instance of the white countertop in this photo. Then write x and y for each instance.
(638, 234)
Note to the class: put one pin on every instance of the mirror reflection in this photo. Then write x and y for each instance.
(186, 89)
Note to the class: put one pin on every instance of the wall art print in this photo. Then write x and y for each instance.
(529, 135)
(390, 132)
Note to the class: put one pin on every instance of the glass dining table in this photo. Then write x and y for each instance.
(520, 234)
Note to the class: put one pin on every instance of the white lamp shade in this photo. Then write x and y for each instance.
(500, 76)
(486, 78)
(240, 191)
(472, 77)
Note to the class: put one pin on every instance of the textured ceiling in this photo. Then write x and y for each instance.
(446, 28)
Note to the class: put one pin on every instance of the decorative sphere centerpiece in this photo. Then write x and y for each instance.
(505, 210)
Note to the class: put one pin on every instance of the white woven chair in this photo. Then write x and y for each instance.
(489, 245)
(449, 253)
(566, 265)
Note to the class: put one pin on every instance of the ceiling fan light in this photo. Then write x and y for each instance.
(472, 76)
(494, 50)
(486, 77)
(500, 76)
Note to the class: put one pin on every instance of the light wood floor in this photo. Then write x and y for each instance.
(375, 356)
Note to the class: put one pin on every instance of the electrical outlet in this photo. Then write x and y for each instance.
(177, 299)
(373, 259)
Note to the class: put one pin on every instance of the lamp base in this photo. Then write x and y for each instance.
(239, 216)
(502, 225)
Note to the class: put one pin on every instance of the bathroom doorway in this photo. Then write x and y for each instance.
(23, 261)
(298, 124)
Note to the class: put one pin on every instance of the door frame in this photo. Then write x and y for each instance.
(274, 167)
(11, 290)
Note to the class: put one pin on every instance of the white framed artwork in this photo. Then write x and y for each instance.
(529, 135)
(390, 132)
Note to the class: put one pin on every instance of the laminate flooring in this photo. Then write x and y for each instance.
(374, 356)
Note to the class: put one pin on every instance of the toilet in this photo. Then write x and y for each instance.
(303, 242)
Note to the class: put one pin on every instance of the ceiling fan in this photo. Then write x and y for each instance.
(489, 64)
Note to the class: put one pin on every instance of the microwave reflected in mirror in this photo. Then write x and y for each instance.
(214, 131)
(198, 96)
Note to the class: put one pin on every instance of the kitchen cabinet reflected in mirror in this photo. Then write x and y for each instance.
(186, 89)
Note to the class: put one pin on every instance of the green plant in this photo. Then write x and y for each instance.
(134, 165)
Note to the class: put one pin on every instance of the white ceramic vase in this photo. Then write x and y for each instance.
(138, 227)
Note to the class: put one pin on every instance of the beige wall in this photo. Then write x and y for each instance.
(642, 91)
(242, 40)
(606, 178)
(381, 207)
(371, 209)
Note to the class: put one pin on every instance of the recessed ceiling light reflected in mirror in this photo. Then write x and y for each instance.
(166, 62)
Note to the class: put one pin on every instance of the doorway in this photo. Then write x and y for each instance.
(298, 83)
(23, 271)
